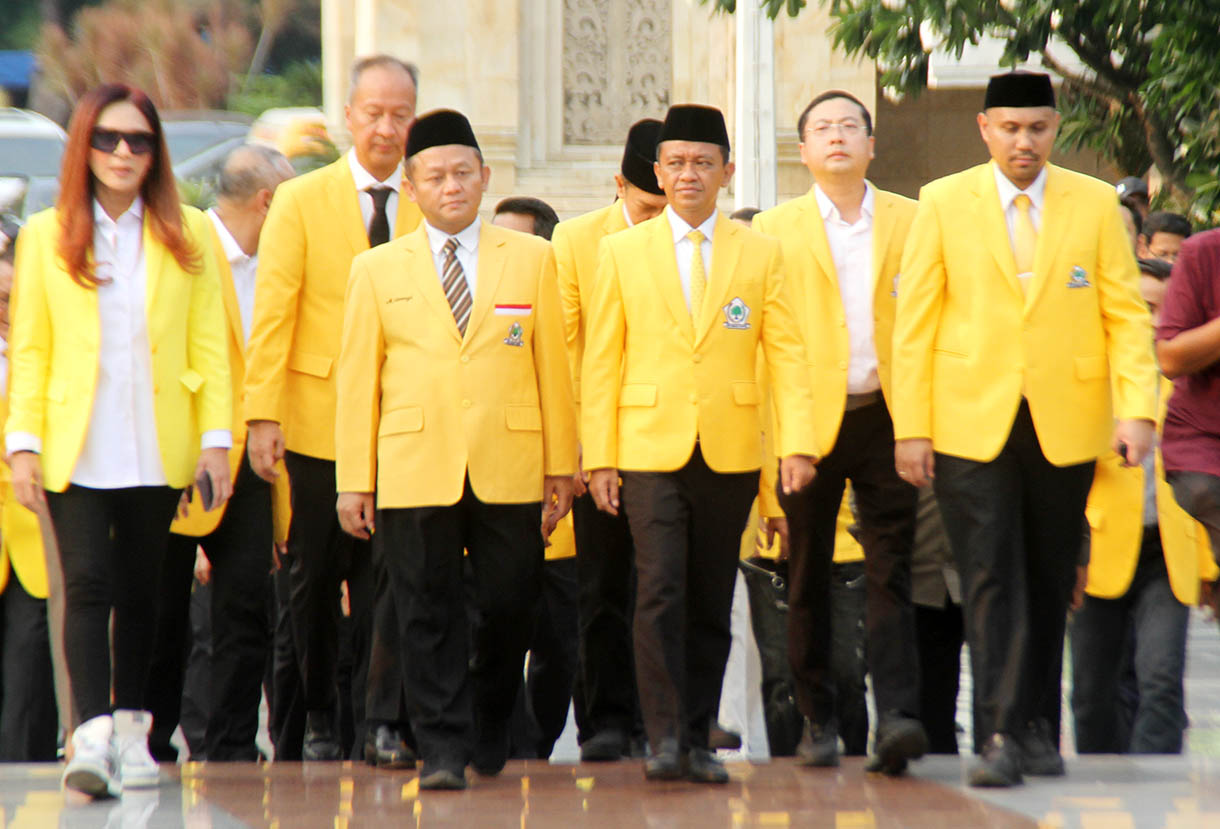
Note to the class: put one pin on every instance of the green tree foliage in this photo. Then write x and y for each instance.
(1149, 95)
(299, 84)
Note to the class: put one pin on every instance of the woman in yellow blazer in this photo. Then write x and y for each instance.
(120, 397)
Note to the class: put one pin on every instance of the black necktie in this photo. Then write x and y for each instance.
(379, 227)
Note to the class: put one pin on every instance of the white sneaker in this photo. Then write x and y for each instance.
(91, 770)
(134, 766)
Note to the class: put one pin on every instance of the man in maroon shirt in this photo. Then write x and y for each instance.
(1188, 347)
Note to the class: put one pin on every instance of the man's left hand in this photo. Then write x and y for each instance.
(796, 472)
(1138, 436)
(215, 462)
(557, 498)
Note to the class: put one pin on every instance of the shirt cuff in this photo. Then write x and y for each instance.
(22, 442)
(217, 439)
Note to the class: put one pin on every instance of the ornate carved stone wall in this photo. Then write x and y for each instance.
(616, 66)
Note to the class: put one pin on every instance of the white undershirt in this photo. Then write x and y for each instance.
(467, 252)
(121, 447)
(851, 247)
(684, 248)
(243, 266)
(364, 180)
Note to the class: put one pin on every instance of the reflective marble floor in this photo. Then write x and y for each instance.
(1099, 793)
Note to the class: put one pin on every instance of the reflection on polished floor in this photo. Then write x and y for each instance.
(1177, 793)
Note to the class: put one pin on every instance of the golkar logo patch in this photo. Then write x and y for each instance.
(737, 315)
(515, 333)
(1078, 278)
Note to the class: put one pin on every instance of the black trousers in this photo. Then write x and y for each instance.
(939, 631)
(111, 545)
(1014, 524)
(322, 556)
(171, 650)
(449, 694)
(686, 526)
(606, 582)
(29, 718)
(863, 453)
(285, 697)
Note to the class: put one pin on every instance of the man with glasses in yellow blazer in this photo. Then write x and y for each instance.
(1020, 340)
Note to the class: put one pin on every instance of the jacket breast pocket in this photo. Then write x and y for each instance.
(637, 394)
(401, 421)
(192, 379)
(315, 365)
(523, 418)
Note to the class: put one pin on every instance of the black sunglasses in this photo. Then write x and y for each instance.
(140, 143)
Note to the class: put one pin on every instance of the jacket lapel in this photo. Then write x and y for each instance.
(154, 261)
(883, 231)
(421, 268)
(615, 220)
(819, 242)
(343, 200)
(726, 249)
(228, 293)
(1056, 210)
(995, 227)
(661, 254)
(491, 262)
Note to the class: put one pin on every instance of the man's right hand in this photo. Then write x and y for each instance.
(356, 513)
(772, 527)
(603, 484)
(265, 443)
(27, 480)
(913, 459)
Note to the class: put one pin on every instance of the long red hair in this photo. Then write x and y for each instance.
(159, 189)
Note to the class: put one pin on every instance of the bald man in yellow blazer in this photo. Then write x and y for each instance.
(1018, 310)
(317, 224)
(842, 244)
(670, 401)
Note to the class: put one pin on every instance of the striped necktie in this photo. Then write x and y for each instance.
(453, 281)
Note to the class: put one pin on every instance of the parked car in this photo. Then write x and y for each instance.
(31, 147)
(199, 140)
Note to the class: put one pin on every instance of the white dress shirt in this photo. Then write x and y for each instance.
(364, 180)
(1009, 192)
(851, 247)
(467, 252)
(243, 266)
(684, 248)
(3, 366)
(121, 447)
(627, 215)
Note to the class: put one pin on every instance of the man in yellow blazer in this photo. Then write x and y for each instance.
(455, 408)
(237, 538)
(1017, 311)
(603, 541)
(1147, 561)
(842, 245)
(316, 226)
(670, 400)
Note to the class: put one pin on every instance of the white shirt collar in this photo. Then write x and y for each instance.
(1009, 191)
(468, 237)
(627, 215)
(680, 228)
(364, 179)
(233, 252)
(830, 211)
(134, 213)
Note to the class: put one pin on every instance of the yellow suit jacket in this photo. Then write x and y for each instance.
(813, 283)
(420, 406)
(1116, 520)
(313, 231)
(654, 381)
(55, 340)
(20, 535)
(576, 243)
(198, 522)
(967, 345)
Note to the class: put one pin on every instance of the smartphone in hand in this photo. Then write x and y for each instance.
(206, 493)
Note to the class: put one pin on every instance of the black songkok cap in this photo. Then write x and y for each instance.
(438, 128)
(639, 155)
(1019, 89)
(691, 122)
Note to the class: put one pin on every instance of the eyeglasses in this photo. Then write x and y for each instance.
(140, 143)
(848, 129)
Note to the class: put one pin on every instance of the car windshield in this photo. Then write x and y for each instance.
(185, 139)
(31, 156)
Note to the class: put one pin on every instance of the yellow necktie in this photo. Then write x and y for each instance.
(698, 276)
(1024, 236)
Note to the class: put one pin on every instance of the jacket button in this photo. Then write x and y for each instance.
(465, 404)
(465, 358)
(694, 398)
(843, 365)
(698, 358)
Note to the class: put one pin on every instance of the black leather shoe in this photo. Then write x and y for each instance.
(720, 737)
(491, 749)
(385, 748)
(666, 763)
(703, 767)
(999, 766)
(436, 777)
(899, 739)
(1039, 755)
(321, 742)
(819, 745)
(603, 747)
